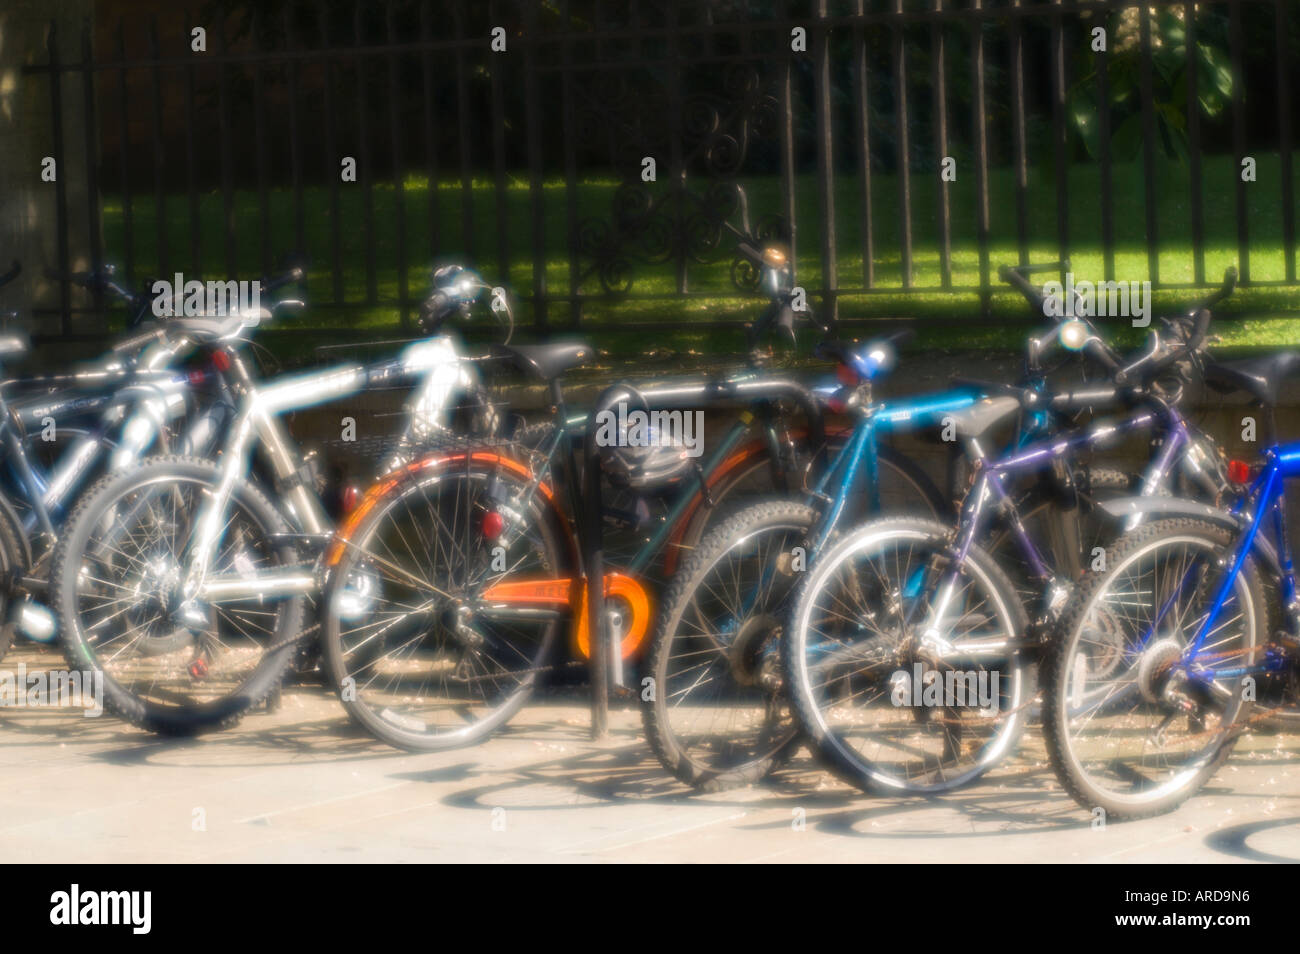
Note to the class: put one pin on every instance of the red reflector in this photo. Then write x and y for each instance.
(493, 524)
(1238, 472)
(846, 375)
(221, 361)
(196, 377)
(350, 497)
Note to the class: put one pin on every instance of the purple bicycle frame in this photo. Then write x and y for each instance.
(988, 483)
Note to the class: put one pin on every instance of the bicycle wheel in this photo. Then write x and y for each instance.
(906, 666)
(115, 585)
(12, 562)
(1127, 729)
(718, 716)
(421, 660)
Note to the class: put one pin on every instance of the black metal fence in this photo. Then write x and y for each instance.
(516, 134)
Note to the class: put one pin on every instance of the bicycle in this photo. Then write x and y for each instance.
(60, 430)
(464, 608)
(901, 610)
(185, 584)
(717, 715)
(1187, 638)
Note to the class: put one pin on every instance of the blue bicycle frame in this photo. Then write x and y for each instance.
(860, 453)
(1265, 496)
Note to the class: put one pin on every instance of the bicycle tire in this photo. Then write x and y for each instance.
(1059, 667)
(873, 774)
(373, 711)
(70, 558)
(687, 760)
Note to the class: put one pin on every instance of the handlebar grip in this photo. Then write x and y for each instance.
(1023, 285)
(1100, 352)
(1229, 283)
(1203, 319)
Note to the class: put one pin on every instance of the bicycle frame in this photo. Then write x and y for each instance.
(546, 596)
(714, 464)
(988, 492)
(891, 417)
(1265, 496)
(150, 397)
(257, 423)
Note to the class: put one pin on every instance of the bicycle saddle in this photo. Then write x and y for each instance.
(207, 329)
(545, 361)
(1261, 377)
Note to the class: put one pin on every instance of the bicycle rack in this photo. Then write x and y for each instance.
(606, 660)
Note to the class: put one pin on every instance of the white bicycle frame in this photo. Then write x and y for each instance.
(443, 373)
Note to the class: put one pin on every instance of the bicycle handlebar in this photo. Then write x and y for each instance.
(101, 279)
(748, 251)
(1150, 367)
(1226, 289)
(1016, 278)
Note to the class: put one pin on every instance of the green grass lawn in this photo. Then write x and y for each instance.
(1256, 316)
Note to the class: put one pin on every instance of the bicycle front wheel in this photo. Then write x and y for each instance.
(906, 662)
(718, 716)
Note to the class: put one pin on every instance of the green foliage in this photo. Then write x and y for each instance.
(1169, 77)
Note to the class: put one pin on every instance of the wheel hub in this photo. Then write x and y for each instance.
(1156, 669)
(752, 662)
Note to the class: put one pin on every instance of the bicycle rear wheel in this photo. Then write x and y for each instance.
(115, 583)
(422, 657)
(1131, 727)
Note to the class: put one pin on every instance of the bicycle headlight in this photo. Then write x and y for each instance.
(776, 271)
(1074, 335)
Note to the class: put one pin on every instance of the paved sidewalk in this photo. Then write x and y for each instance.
(301, 785)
